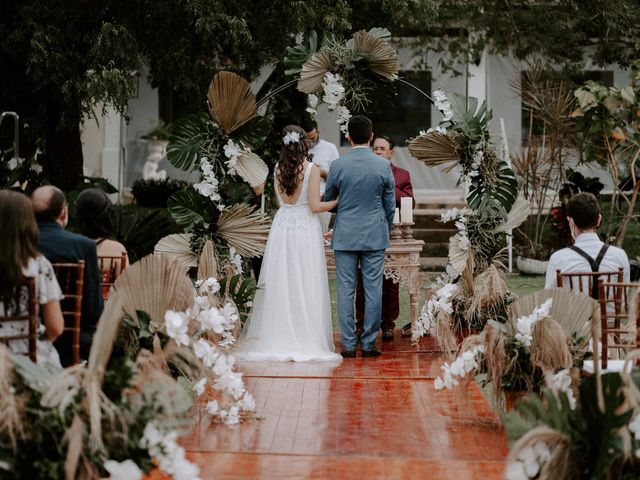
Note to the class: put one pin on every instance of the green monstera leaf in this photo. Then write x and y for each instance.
(493, 199)
(189, 209)
(298, 55)
(186, 141)
(473, 120)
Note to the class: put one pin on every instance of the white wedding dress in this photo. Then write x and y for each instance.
(291, 315)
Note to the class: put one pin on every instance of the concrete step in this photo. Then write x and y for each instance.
(435, 250)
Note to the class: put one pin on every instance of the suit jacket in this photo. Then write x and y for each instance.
(365, 185)
(403, 184)
(60, 245)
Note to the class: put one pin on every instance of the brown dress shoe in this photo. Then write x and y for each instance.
(387, 335)
(348, 354)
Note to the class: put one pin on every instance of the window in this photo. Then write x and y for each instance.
(398, 110)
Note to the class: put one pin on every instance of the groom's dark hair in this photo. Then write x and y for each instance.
(360, 129)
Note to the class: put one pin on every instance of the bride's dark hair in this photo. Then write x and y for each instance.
(292, 155)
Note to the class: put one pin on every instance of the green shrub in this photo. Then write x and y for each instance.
(155, 193)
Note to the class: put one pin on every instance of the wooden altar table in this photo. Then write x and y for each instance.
(401, 264)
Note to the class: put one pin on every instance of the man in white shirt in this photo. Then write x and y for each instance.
(588, 253)
(323, 154)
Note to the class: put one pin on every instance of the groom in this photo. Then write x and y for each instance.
(367, 203)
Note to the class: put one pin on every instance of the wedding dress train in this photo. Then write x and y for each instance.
(291, 315)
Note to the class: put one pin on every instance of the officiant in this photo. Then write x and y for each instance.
(383, 147)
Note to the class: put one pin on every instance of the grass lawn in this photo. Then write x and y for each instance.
(520, 284)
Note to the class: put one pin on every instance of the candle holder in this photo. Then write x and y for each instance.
(396, 233)
(407, 231)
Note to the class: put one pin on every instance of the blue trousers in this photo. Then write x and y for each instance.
(372, 265)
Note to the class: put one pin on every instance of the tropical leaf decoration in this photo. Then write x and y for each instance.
(178, 246)
(468, 117)
(519, 212)
(240, 290)
(381, 58)
(252, 169)
(244, 229)
(435, 149)
(299, 54)
(185, 144)
(253, 133)
(189, 209)
(208, 263)
(493, 197)
(231, 101)
(313, 72)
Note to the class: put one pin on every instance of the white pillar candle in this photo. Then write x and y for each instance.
(406, 210)
(396, 216)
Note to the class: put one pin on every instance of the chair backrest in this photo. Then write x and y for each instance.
(587, 282)
(110, 268)
(30, 316)
(614, 309)
(71, 279)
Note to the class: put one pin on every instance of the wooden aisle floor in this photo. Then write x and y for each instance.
(370, 418)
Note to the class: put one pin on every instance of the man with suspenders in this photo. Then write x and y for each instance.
(588, 253)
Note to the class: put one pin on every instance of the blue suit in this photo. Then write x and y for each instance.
(60, 245)
(364, 218)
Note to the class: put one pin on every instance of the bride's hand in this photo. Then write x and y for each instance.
(334, 203)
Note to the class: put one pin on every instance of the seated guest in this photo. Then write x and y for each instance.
(93, 214)
(588, 253)
(60, 245)
(20, 259)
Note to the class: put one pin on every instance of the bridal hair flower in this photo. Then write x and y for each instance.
(291, 137)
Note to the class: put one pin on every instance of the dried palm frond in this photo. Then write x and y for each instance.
(435, 149)
(445, 336)
(11, 406)
(495, 356)
(231, 101)
(154, 284)
(177, 246)
(489, 289)
(561, 464)
(73, 438)
(550, 346)
(208, 264)
(313, 72)
(244, 229)
(517, 215)
(383, 59)
(458, 252)
(252, 169)
(571, 310)
(467, 273)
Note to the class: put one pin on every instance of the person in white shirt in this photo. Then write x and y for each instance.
(322, 154)
(588, 253)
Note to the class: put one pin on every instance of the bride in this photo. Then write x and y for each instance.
(291, 316)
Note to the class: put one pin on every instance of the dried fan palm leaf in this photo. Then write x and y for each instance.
(313, 72)
(517, 215)
(11, 406)
(467, 273)
(560, 465)
(435, 149)
(550, 346)
(495, 356)
(231, 101)
(244, 229)
(177, 246)
(154, 284)
(571, 310)
(489, 288)
(445, 337)
(208, 264)
(252, 169)
(458, 252)
(383, 59)
(73, 439)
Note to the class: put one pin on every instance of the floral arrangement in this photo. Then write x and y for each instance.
(342, 72)
(596, 435)
(219, 147)
(116, 415)
(462, 140)
(544, 337)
